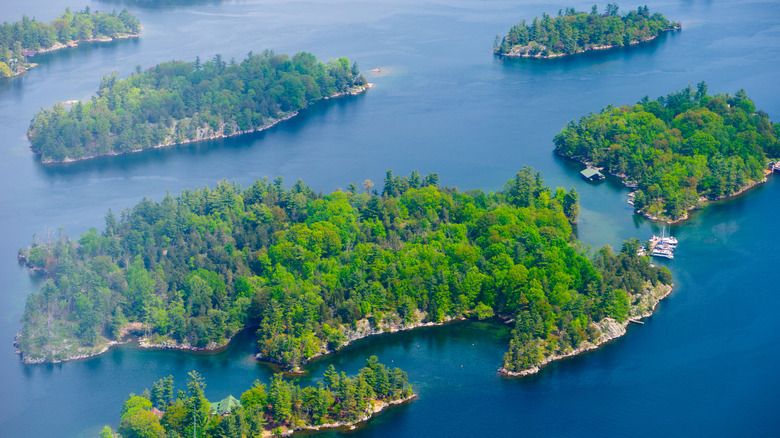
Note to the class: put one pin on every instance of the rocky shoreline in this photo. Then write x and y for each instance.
(608, 327)
(513, 54)
(83, 353)
(220, 133)
(686, 216)
(130, 328)
(71, 44)
(364, 328)
(376, 407)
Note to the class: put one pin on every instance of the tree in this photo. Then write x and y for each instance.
(368, 185)
(137, 421)
(5, 72)
(196, 405)
(280, 397)
(571, 205)
(141, 424)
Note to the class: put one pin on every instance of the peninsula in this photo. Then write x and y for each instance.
(180, 102)
(309, 273)
(278, 408)
(574, 32)
(25, 38)
(679, 151)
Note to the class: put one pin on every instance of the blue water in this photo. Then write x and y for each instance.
(705, 364)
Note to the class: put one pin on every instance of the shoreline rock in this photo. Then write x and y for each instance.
(376, 407)
(125, 336)
(558, 55)
(354, 91)
(390, 323)
(609, 327)
(71, 44)
(632, 185)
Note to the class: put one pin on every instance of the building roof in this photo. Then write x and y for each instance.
(591, 174)
(224, 406)
(157, 413)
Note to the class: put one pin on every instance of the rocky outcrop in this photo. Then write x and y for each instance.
(376, 407)
(608, 328)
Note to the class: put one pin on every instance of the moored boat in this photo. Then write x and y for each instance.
(665, 253)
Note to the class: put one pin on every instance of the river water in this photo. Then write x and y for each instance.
(705, 364)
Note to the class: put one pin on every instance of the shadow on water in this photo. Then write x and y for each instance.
(200, 150)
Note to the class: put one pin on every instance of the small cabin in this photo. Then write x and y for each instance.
(224, 406)
(591, 175)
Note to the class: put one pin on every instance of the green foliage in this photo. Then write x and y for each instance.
(31, 35)
(678, 148)
(303, 269)
(483, 311)
(137, 421)
(177, 102)
(572, 31)
(284, 406)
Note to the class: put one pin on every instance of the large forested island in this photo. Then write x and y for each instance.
(680, 150)
(178, 102)
(277, 408)
(575, 32)
(24, 38)
(311, 273)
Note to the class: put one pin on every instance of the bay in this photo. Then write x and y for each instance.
(704, 364)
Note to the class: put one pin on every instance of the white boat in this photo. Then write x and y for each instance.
(664, 246)
(663, 239)
(665, 253)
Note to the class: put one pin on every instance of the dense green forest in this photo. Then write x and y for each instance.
(572, 32)
(677, 148)
(31, 35)
(277, 407)
(305, 270)
(178, 101)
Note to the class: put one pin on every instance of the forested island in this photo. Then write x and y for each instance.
(310, 273)
(575, 32)
(680, 150)
(179, 102)
(277, 408)
(27, 37)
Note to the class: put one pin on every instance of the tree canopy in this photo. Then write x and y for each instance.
(677, 148)
(32, 35)
(279, 405)
(305, 269)
(574, 31)
(176, 102)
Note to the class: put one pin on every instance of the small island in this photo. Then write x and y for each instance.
(678, 151)
(309, 273)
(278, 408)
(25, 38)
(180, 102)
(574, 32)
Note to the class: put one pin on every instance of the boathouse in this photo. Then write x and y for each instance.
(591, 175)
